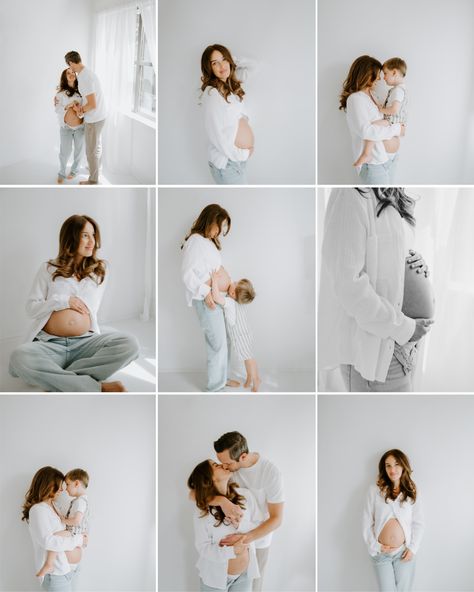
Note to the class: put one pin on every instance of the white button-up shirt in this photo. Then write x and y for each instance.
(361, 285)
(377, 513)
(200, 258)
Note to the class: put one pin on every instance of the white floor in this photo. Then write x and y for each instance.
(138, 377)
(31, 172)
(195, 382)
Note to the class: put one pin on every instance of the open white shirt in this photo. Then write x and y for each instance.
(48, 296)
(361, 111)
(213, 560)
(361, 285)
(265, 481)
(377, 513)
(200, 258)
(43, 523)
(89, 83)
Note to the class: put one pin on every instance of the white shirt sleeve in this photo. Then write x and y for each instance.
(38, 305)
(80, 505)
(40, 529)
(360, 124)
(219, 130)
(417, 526)
(274, 486)
(87, 83)
(230, 310)
(344, 249)
(205, 546)
(368, 523)
(192, 269)
(397, 94)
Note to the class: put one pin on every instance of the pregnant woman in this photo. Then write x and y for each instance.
(65, 351)
(71, 127)
(393, 523)
(361, 113)
(202, 256)
(376, 301)
(226, 120)
(230, 568)
(44, 521)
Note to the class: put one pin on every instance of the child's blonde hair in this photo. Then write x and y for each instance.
(396, 64)
(244, 291)
(78, 475)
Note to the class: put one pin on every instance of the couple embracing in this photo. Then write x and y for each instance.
(239, 503)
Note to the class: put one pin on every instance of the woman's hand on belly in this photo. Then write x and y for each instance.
(244, 137)
(71, 118)
(415, 261)
(70, 322)
(407, 555)
(76, 303)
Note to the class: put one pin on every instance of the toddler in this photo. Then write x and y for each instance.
(76, 519)
(238, 293)
(394, 108)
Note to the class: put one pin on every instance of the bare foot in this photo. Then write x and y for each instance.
(71, 176)
(363, 158)
(60, 181)
(113, 387)
(248, 382)
(256, 383)
(46, 569)
(233, 383)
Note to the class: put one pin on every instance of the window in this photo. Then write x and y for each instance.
(145, 79)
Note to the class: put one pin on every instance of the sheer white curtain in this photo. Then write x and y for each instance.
(148, 11)
(445, 238)
(113, 60)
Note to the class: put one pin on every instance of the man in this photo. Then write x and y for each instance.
(265, 481)
(94, 113)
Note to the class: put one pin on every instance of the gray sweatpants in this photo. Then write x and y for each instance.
(72, 364)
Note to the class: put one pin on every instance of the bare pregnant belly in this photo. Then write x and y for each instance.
(67, 323)
(392, 534)
(418, 295)
(244, 137)
(223, 280)
(392, 145)
(71, 118)
(238, 565)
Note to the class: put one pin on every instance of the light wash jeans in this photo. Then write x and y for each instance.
(242, 584)
(58, 583)
(393, 574)
(68, 138)
(379, 174)
(72, 364)
(218, 350)
(234, 173)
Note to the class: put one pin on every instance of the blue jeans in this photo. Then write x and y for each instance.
(213, 325)
(58, 583)
(242, 584)
(379, 174)
(68, 137)
(393, 574)
(233, 174)
(72, 364)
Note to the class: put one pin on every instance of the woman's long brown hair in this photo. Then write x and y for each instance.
(44, 486)
(201, 483)
(69, 239)
(363, 73)
(395, 197)
(232, 85)
(407, 486)
(63, 85)
(213, 213)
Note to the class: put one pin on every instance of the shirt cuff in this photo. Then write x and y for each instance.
(203, 291)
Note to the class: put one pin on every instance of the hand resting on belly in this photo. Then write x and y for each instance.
(418, 296)
(70, 322)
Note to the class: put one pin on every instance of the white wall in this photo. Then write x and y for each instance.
(66, 432)
(30, 221)
(438, 48)
(279, 34)
(35, 37)
(188, 426)
(436, 434)
(272, 243)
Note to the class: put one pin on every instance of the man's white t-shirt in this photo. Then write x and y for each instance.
(89, 83)
(265, 481)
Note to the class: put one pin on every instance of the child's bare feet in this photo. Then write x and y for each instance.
(256, 383)
(113, 387)
(46, 569)
(363, 158)
(233, 383)
(60, 181)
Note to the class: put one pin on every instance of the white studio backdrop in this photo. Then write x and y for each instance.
(67, 432)
(444, 237)
(30, 221)
(271, 242)
(436, 434)
(438, 48)
(280, 36)
(187, 428)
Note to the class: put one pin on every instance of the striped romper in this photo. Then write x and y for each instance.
(238, 329)
(397, 93)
